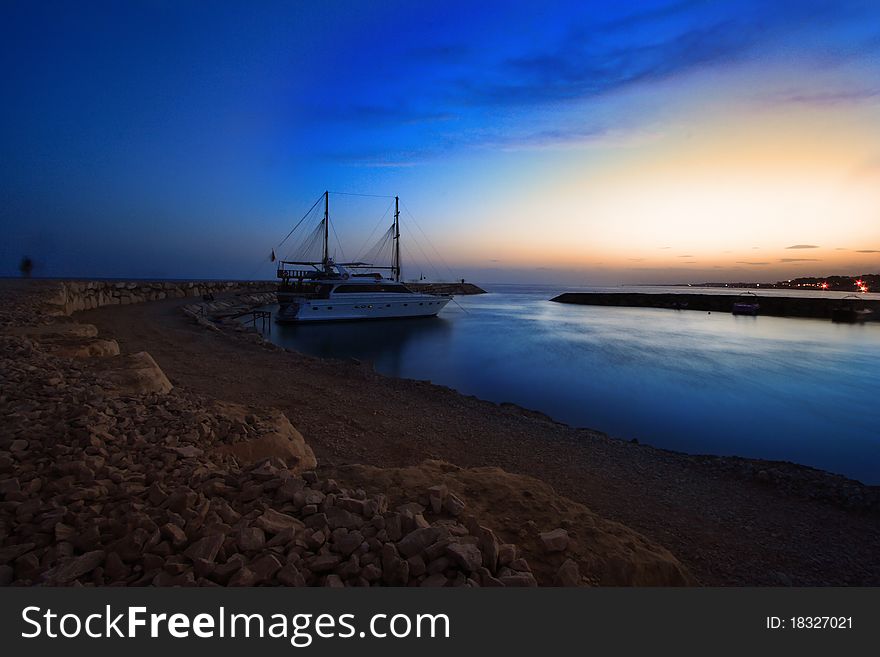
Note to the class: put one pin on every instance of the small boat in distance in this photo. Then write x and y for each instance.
(851, 310)
(332, 291)
(743, 305)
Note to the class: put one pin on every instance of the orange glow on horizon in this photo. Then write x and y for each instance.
(763, 194)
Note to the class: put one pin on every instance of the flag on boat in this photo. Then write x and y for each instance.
(272, 259)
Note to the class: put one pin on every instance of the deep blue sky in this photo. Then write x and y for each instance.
(178, 139)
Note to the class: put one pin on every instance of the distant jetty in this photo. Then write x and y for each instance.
(817, 307)
(460, 288)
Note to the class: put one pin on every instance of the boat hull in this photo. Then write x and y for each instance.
(347, 310)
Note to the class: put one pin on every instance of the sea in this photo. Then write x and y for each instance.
(791, 389)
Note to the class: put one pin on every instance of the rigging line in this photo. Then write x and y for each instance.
(297, 245)
(374, 255)
(366, 195)
(301, 251)
(411, 237)
(338, 242)
(299, 222)
(459, 305)
(257, 269)
(373, 232)
(430, 244)
(428, 240)
(425, 256)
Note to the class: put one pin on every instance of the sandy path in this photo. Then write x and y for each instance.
(726, 529)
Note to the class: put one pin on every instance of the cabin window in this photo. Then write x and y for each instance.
(372, 287)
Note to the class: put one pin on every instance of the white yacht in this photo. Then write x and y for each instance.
(332, 291)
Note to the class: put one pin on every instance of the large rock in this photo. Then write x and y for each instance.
(569, 574)
(205, 548)
(417, 540)
(467, 556)
(280, 439)
(76, 567)
(67, 339)
(81, 347)
(555, 540)
(133, 374)
(275, 522)
(56, 330)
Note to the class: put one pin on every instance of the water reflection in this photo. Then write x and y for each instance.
(387, 344)
(794, 389)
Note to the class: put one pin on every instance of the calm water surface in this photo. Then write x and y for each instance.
(799, 390)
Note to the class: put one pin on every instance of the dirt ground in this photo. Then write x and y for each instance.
(727, 527)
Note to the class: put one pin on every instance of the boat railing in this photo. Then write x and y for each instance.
(295, 273)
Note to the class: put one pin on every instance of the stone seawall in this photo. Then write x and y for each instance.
(446, 288)
(87, 295)
(817, 307)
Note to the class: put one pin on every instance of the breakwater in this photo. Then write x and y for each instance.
(817, 307)
(446, 288)
(88, 295)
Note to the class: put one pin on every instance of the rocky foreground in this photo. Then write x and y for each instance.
(109, 475)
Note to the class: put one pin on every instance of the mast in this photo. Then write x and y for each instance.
(397, 238)
(326, 257)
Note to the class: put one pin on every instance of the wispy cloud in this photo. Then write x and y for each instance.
(868, 251)
(567, 139)
(577, 69)
(800, 260)
(746, 262)
(826, 98)
(802, 246)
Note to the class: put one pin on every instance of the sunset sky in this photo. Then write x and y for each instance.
(572, 143)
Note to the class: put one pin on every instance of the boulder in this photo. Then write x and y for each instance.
(569, 574)
(417, 540)
(282, 441)
(275, 522)
(555, 540)
(76, 567)
(466, 555)
(251, 539)
(205, 548)
(132, 374)
(56, 330)
(81, 347)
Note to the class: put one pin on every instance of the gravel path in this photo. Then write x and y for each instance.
(730, 521)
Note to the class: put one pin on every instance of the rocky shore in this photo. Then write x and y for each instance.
(113, 473)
